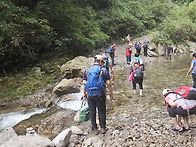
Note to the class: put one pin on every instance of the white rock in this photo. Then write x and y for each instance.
(62, 139)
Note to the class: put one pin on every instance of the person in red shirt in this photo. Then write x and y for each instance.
(128, 54)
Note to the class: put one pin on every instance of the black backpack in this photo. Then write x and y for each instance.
(137, 72)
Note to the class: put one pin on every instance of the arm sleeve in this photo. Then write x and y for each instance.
(106, 75)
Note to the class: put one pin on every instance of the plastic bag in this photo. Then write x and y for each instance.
(84, 111)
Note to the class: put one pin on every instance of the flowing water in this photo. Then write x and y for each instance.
(12, 118)
(159, 74)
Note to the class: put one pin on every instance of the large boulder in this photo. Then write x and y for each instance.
(67, 86)
(152, 46)
(76, 67)
(7, 134)
(191, 45)
(29, 141)
(152, 54)
(161, 50)
(182, 48)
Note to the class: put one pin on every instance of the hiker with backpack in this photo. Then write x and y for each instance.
(95, 79)
(138, 46)
(137, 69)
(145, 46)
(136, 58)
(107, 64)
(111, 51)
(192, 69)
(180, 105)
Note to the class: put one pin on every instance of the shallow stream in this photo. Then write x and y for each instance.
(159, 74)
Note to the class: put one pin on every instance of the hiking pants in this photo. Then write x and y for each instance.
(128, 58)
(139, 81)
(145, 51)
(180, 111)
(100, 104)
(194, 80)
(112, 57)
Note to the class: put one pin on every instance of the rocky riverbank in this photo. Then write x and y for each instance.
(131, 120)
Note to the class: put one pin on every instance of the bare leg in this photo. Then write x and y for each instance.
(179, 121)
(176, 125)
(134, 91)
(140, 92)
(186, 122)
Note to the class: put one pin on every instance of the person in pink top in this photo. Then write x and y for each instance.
(178, 106)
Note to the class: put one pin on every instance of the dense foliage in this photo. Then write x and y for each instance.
(56, 31)
(29, 28)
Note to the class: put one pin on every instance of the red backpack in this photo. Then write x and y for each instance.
(186, 92)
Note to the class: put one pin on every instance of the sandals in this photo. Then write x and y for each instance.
(96, 131)
(187, 130)
(103, 130)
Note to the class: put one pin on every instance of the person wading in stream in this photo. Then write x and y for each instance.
(94, 80)
(137, 67)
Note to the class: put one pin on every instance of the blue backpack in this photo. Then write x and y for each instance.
(110, 50)
(95, 85)
(106, 62)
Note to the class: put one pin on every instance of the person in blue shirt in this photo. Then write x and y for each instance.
(192, 69)
(100, 101)
(169, 51)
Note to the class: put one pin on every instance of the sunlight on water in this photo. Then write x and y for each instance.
(11, 119)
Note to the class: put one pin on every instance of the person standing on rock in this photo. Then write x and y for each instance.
(192, 69)
(94, 79)
(179, 106)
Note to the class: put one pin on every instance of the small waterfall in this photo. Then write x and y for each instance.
(73, 104)
(12, 118)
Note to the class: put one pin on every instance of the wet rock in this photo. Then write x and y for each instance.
(56, 122)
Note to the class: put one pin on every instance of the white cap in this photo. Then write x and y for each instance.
(99, 57)
(166, 91)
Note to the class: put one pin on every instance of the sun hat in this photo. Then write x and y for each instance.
(166, 91)
(99, 57)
